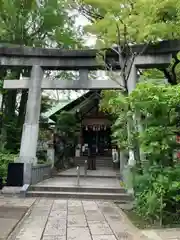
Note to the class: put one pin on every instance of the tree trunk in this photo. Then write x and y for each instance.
(21, 113)
(22, 108)
(3, 130)
(9, 121)
(3, 73)
(10, 114)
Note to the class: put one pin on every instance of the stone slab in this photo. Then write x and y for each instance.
(100, 229)
(6, 226)
(58, 214)
(34, 225)
(9, 218)
(12, 212)
(78, 233)
(127, 236)
(94, 215)
(62, 206)
(11, 190)
(77, 221)
(14, 201)
(151, 234)
(34, 233)
(104, 237)
(74, 203)
(90, 205)
(55, 227)
(168, 234)
(78, 210)
(54, 238)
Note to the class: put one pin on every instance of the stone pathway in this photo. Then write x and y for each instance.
(163, 234)
(11, 212)
(76, 220)
(49, 219)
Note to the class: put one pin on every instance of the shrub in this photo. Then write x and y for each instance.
(157, 194)
(5, 159)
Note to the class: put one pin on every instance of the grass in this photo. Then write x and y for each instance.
(142, 223)
(138, 221)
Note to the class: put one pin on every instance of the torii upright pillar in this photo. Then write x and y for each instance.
(31, 125)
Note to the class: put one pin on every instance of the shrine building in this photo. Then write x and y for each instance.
(95, 127)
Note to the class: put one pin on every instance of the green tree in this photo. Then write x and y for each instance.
(158, 193)
(157, 105)
(141, 20)
(30, 23)
(128, 22)
(67, 128)
(122, 23)
(157, 185)
(115, 103)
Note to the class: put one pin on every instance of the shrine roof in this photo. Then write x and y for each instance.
(56, 108)
(73, 105)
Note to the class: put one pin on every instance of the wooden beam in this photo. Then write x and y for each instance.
(63, 84)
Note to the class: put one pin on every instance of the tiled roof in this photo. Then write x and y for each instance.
(56, 108)
(59, 106)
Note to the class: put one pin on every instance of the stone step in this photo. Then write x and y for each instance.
(101, 163)
(82, 176)
(76, 189)
(97, 163)
(97, 166)
(120, 197)
(98, 160)
(97, 157)
(104, 165)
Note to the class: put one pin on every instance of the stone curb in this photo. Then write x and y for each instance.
(140, 234)
(14, 231)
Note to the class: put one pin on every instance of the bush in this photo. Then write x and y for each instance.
(5, 159)
(147, 121)
(157, 194)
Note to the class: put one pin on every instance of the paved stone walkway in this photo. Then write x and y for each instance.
(76, 220)
(49, 219)
(163, 234)
(12, 209)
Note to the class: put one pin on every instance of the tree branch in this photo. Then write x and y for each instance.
(170, 73)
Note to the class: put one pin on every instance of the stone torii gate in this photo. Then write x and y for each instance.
(38, 59)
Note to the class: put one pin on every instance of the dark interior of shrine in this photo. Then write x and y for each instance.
(99, 137)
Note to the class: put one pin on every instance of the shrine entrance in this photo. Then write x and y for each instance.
(101, 137)
(129, 61)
